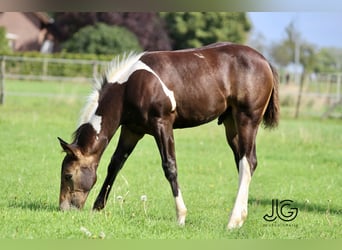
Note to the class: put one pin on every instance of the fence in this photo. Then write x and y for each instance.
(333, 92)
(47, 69)
(320, 95)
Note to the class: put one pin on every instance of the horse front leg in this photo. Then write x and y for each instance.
(163, 134)
(127, 142)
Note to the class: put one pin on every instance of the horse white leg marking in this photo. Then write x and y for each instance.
(180, 209)
(239, 212)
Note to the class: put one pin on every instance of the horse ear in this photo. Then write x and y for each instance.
(69, 148)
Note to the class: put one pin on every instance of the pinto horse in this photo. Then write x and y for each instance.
(156, 92)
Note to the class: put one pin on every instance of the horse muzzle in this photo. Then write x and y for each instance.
(71, 201)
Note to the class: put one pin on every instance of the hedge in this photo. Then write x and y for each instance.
(22, 66)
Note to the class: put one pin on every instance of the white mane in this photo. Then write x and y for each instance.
(116, 69)
(90, 108)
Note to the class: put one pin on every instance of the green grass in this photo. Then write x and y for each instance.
(301, 161)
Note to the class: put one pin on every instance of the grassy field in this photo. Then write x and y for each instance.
(300, 161)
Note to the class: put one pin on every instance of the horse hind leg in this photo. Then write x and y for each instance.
(232, 136)
(241, 138)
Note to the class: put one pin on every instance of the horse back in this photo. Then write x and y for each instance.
(207, 80)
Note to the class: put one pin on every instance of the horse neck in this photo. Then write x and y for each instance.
(109, 111)
(100, 122)
(89, 141)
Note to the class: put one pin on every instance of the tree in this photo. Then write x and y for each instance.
(293, 49)
(257, 40)
(307, 56)
(328, 60)
(102, 39)
(149, 27)
(283, 52)
(4, 47)
(195, 29)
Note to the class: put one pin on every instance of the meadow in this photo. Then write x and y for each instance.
(301, 160)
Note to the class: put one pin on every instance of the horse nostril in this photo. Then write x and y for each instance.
(68, 177)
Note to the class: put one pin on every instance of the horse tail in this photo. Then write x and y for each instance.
(271, 116)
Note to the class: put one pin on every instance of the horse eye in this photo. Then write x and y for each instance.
(67, 177)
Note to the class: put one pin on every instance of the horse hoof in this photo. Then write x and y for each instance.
(237, 221)
(181, 221)
(234, 225)
(98, 206)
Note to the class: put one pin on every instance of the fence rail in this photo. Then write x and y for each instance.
(50, 68)
(317, 95)
(47, 69)
(321, 89)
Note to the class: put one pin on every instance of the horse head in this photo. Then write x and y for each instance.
(78, 176)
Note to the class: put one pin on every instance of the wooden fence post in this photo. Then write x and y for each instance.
(45, 66)
(338, 99)
(2, 80)
(300, 92)
(339, 87)
(95, 69)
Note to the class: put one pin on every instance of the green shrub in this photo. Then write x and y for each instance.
(102, 39)
(101, 43)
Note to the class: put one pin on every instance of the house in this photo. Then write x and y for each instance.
(29, 31)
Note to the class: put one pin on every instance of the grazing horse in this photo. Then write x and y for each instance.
(156, 92)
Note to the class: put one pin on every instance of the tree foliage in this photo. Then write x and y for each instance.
(147, 26)
(284, 52)
(163, 31)
(328, 60)
(102, 39)
(195, 29)
(4, 47)
(68, 23)
(307, 56)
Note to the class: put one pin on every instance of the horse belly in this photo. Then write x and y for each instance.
(199, 111)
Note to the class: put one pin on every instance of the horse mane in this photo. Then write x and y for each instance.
(115, 69)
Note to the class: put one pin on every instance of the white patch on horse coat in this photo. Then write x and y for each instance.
(142, 66)
(239, 212)
(120, 71)
(96, 121)
(180, 208)
(200, 55)
(90, 108)
(88, 114)
(120, 68)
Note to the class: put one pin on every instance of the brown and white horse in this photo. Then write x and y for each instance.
(156, 92)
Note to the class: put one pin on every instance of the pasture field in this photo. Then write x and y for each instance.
(301, 160)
